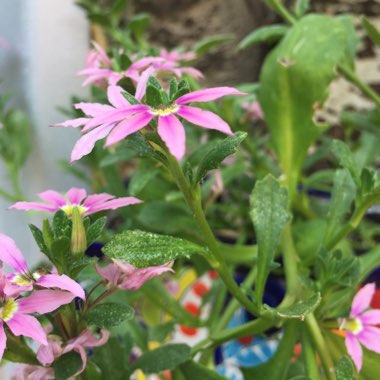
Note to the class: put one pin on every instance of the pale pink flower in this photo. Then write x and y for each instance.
(177, 56)
(33, 372)
(254, 110)
(127, 277)
(360, 326)
(24, 280)
(48, 353)
(14, 312)
(123, 119)
(87, 204)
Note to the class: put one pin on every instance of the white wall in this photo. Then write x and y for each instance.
(49, 41)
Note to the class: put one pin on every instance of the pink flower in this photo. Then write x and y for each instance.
(254, 110)
(123, 119)
(15, 312)
(360, 325)
(127, 277)
(177, 56)
(87, 204)
(48, 353)
(24, 280)
(33, 372)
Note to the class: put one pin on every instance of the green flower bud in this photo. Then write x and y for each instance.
(78, 234)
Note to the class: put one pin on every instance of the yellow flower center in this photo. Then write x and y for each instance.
(164, 110)
(353, 325)
(68, 209)
(8, 309)
(22, 280)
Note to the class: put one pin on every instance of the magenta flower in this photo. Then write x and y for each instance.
(127, 277)
(87, 204)
(24, 280)
(123, 119)
(360, 325)
(14, 312)
(177, 56)
(54, 349)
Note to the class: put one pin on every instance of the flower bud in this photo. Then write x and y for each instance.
(78, 234)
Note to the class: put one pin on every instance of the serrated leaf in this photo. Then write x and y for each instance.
(372, 31)
(173, 87)
(346, 159)
(298, 310)
(269, 213)
(218, 153)
(301, 7)
(67, 365)
(153, 97)
(192, 370)
(208, 43)
(139, 145)
(107, 315)
(37, 234)
(343, 194)
(143, 249)
(305, 58)
(183, 89)
(267, 34)
(344, 370)
(163, 358)
(95, 229)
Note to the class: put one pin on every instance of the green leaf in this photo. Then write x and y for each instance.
(299, 310)
(301, 7)
(107, 315)
(192, 370)
(140, 146)
(173, 88)
(346, 159)
(67, 365)
(269, 203)
(38, 237)
(141, 178)
(343, 194)
(267, 34)
(183, 89)
(18, 351)
(113, 358)
(61, 225)
(163, 358)
(95, 229)
(138, 24)
(153, 96)
(305, 59)
(344, 370)
(131, 99)
(371, 30)
(61, 253)
(143, 249)
(213, 158)
(208, 43)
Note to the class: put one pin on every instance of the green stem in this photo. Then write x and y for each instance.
(216, 259)
(320, 344)
(290, 261)
(309, 356)
(278, 7)
(8, 196)
(363, 87)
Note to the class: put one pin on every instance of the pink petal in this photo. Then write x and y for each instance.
(138, 277)
(97, 78)
(116, 98)
(128, 126)
(103, 55)
(3, 340)
(110, 272)
(44, 301)
(114, 204)
(354, 350)
(28, 206)
(95, 199)
(173, 134)
(75, 196)
(203, 118)
(145, 62)
(47, 354)
(370, 317)
(73, 123)
(93, 109)
(142, 83)
(192, 72)
(362, 299)
(87, 142)
(53, 197)
(208, 94)
(22, 324)
(370, 338)
(11, 255)
(115, 116)
(62, 282)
